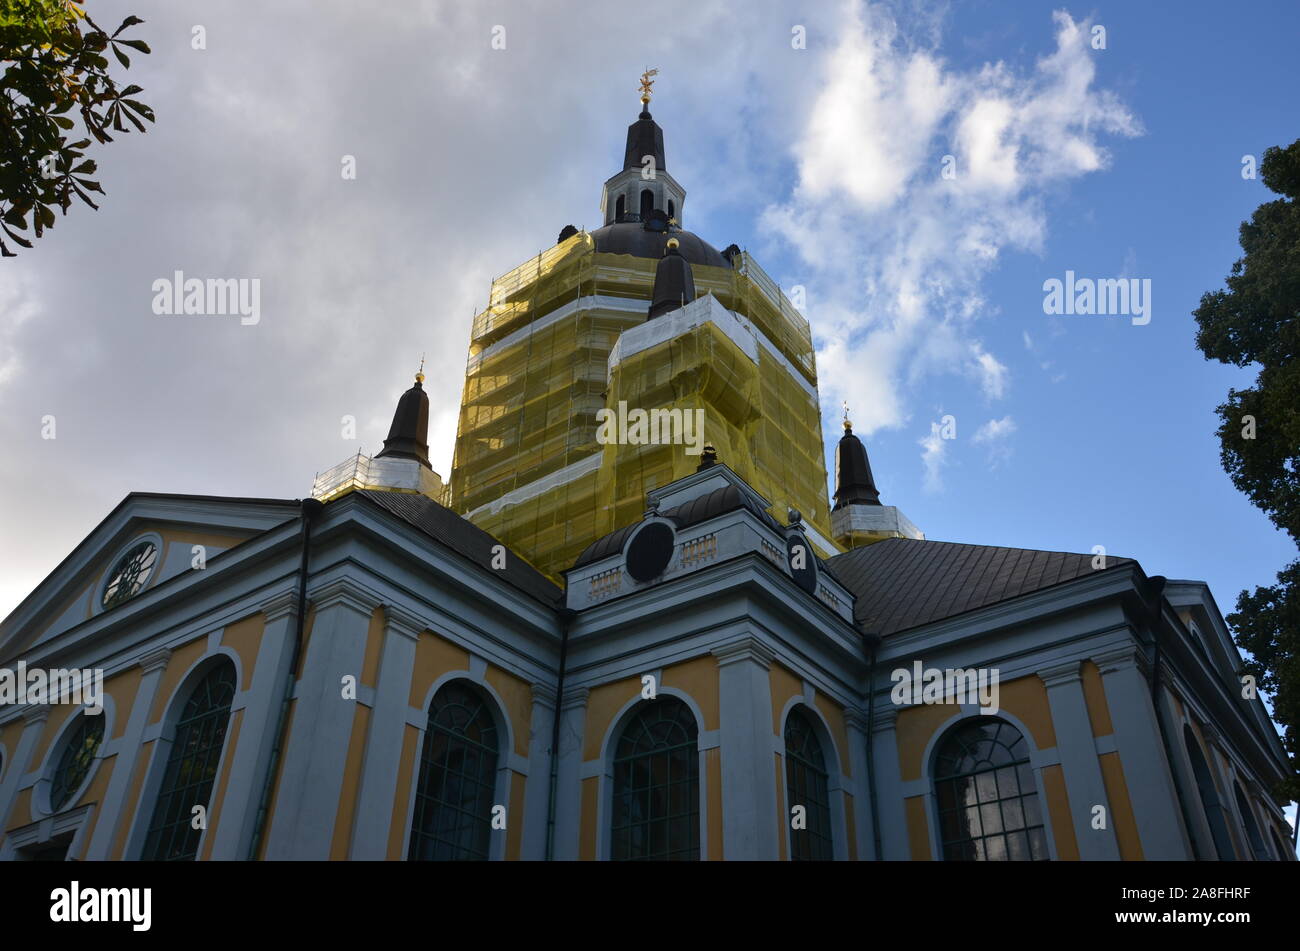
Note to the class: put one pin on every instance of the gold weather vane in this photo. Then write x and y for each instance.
(847, 424)
(647, 81)
(419, 374)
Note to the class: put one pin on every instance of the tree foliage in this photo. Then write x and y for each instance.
(55, 71)
(1256, 320)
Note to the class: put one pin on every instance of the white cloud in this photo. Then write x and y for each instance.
(894, 253)
(934, 454)
(994, 436)
(994, 430)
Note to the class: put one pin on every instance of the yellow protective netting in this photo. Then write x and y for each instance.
(527, 466)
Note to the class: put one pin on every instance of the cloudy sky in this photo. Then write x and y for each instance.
(925, 290)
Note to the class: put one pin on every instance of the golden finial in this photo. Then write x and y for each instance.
(646, 82)
(673, 244)
(419, 374)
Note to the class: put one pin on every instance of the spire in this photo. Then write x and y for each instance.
(408, 437)
(674, 283)
(644, 137)
(854, 484)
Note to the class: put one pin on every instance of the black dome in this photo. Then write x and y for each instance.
(629, 237)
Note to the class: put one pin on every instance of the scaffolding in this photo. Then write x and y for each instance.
(527, 465)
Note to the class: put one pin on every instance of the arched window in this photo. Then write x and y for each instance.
(191, 767)
(656, 811)
(75, 760)
(806, 785)
(647, 203)
(984, 787)
(620, 207)
(458, 771)
(672, 212)
(1209, 797)
(129, 574)
(1252, 827)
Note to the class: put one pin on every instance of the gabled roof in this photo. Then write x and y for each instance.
(902, 583)
(465, 538)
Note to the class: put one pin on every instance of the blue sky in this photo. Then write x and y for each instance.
(1113, 440)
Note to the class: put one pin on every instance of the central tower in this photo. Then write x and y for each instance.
(534, 466)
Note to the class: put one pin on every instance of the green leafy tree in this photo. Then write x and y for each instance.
(1257, 321)
(54, 71)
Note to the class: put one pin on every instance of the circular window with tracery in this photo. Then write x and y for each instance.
(75, 760)
(129, 574)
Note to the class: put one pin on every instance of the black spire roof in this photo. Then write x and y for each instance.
(644, 137)
(408, 437)
(853, 481)
(674, 283)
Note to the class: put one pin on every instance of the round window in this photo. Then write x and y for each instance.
(75, 760)
(129, 574)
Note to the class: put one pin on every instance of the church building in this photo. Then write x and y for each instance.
(632, 623)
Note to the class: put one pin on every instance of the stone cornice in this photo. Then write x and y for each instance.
(746, 647)
(279, 606)
(1060, 675)
(544, 694)
(405, 623)
(574, 697)
(154, 660)
(1118, 658)
(345, 592)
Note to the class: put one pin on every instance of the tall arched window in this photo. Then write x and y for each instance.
(647, 203)
(1252, 827)
(620, 206)
(656, 812)
(191, 766)
(984, 787)
(672, 211)
(806, 785)
(1209, 797)
(458, 772)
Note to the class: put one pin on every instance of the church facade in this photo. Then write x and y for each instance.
(598, 643)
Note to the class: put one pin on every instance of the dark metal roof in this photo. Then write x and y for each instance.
(465, 538)
(644, 137)
(728, 498)
(902, 583)
(674, 284)
(853, 480)
(631, 237)
(408, 437)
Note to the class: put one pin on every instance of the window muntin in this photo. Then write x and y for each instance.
(191, 767)
(76, 759)
(987, 801)
(458, 769)
(1209, 793)
(1253, 835)
(129, 574)
(656, 801)
(806, 784)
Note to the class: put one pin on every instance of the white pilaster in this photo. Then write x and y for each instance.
(387, 729)
(1078, 751)
(749, 829)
